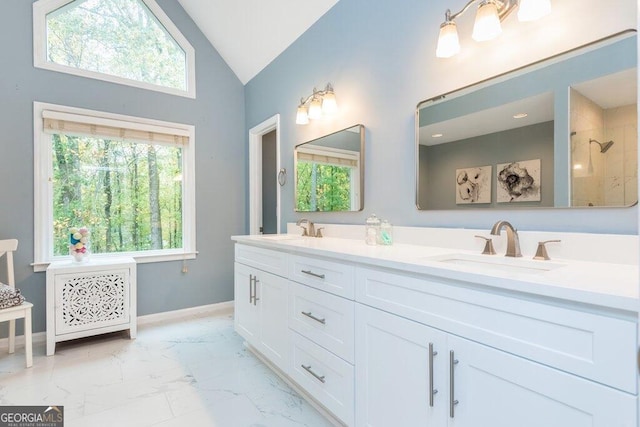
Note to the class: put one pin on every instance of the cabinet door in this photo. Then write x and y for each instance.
(271, 297)
(246, 313)
(91, 300)
(497, 389)
(393, 371)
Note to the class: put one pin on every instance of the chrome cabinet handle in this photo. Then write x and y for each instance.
(318, 377)
(311, 316)
(452, 402)
(255, 290)
(311, 273)
(432, 391)
(251, 288)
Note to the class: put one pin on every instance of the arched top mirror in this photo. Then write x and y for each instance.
(559, 133)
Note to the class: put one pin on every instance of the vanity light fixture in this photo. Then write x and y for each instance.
(487, 23)
(315, 105)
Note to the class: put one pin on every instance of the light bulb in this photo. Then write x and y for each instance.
(487, 24)
(329, 104)
(315, 108)
(531, 10)
(448, 42)
(302, 118)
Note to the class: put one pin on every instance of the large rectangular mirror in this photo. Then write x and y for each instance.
(559, 133)
(330, 172)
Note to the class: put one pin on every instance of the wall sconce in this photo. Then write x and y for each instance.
(487, 24)
(315, 105)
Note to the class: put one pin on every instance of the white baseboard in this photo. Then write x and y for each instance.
(36, 338)
(218, 308)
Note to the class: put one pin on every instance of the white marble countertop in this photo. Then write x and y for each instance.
(602, 284)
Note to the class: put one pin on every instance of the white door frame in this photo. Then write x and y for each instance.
(255, 172)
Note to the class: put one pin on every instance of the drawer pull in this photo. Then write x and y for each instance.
(311, 273)
(311, 316)
(316, 376)
(432, 391)
(452, 402)
(251, 278)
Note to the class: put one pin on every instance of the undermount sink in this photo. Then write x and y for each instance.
(497, 263)
(281, 236)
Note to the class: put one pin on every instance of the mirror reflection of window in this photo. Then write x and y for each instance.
(329, 172)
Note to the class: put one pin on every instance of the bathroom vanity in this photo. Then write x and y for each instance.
(435, 335)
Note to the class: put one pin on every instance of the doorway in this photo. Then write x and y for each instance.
(264, 167)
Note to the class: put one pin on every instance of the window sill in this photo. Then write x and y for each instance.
(140, 258)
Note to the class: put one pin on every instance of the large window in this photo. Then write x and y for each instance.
(129, 180)
(125, 41)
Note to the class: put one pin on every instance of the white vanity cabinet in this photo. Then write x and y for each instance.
(378, 341)
(261, 301)
(410, 371)
(321, 318)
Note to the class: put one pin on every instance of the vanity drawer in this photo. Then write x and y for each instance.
(264, 259)
(325, 319)
(589, 344)
(329, 276)
(326, 377)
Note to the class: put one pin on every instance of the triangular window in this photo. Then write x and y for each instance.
(125, 41)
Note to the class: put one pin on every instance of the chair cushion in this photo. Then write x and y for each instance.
(9, 296)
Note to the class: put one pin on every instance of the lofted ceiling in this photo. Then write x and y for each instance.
(249, 34)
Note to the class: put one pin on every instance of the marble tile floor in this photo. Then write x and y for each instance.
(192, 372)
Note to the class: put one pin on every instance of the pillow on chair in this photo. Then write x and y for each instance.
(9, 296)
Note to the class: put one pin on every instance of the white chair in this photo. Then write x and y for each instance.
(22, 311)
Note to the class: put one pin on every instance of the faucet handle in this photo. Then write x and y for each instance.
(541, 252)
(319, 231)
(488, 246)
(304, 230)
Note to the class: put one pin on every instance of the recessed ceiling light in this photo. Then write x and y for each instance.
(520, 115)
(436, 135)
(577, 166)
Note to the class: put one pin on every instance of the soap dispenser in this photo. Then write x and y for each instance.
(372, 230)
(385, 236)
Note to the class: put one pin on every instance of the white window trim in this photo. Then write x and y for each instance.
(42, 7)
(43, 188)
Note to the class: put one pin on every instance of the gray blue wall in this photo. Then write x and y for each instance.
(438, 165)
(218, 116)
(381, 62)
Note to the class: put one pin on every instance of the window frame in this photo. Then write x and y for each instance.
(42, 7)
(43, 188)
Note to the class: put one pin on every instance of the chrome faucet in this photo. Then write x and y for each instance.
(513, 242)
(311, 231)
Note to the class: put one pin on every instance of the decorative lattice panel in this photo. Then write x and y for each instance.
(91, 300)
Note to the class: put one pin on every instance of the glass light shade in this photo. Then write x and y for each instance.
(487, 25)
(302, 118)
(315, 108)
(530, 10)
(448, 42)
(329, 104)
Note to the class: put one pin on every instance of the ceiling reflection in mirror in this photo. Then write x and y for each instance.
(559, 133)
(330, 172)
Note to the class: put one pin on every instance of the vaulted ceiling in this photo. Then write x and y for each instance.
(249, 34)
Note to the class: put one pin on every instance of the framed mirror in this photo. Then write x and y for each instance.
(329, 172)
(559, 133)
